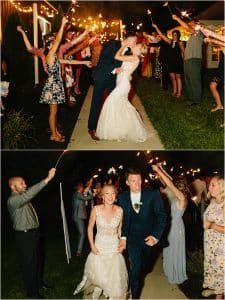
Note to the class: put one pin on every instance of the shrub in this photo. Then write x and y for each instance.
(17, 130)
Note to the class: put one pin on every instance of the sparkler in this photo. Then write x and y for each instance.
(166, 4)
(60, 157)
(71, 10)
(185, 14)
(150, 14)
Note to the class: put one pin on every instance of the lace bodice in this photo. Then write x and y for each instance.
(128, 69)
(106, 239)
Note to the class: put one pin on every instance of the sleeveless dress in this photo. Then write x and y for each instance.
(119, 120)
(214, 251)
(53, 91)
(107, 270)
(175, 60)
(174, 256)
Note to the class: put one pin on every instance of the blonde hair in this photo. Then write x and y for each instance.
(108, 185)
(143, 48)
(220, 180)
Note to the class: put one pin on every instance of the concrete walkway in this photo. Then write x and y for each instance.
(156, 285)
(80, 139)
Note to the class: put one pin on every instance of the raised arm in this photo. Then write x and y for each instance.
(25, 38)
(214, 41)
(120, 56)
(79, 38)
(212, 34)
(90, 233)
(165, 38)
(182, 23)
(169, 183)
(56, 42)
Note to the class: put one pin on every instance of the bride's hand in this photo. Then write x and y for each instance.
(94, 250)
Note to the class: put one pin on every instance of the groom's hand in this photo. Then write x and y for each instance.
(150, 241)
(118, 70)
(122, 245)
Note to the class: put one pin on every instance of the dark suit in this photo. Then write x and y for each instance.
(103, 79)
(150, 220)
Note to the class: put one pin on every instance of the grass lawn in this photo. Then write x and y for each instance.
(180, 126)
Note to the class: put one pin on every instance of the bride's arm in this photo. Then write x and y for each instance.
(120, 56)
(91, 224)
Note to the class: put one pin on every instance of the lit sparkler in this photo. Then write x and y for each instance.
(166, 4)
(61, 155)
(150, 14)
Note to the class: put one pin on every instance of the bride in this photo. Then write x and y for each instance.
(105, 270)
(119, 120)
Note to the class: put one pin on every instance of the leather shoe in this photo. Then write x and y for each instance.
(93, 135)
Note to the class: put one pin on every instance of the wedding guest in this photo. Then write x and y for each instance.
(55, 96)
(26, 224)
(79, 214)
(174, 256)
(175, 59)
(199, 192)
(192, 61)
(163, 58)
(67, 71)
(218, 79)
(214, 224)
(33, 50)
(143, 224)
(105, 270)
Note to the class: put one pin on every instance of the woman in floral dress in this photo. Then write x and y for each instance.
(53, 91)
(214, 252)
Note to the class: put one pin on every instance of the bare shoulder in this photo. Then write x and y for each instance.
(119, 209)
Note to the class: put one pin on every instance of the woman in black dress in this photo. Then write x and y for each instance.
(175, 59)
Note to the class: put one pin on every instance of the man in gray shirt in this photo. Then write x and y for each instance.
(26, 224)
(193, 61)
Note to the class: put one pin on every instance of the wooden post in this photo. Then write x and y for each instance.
(35, 24)
(121, 30)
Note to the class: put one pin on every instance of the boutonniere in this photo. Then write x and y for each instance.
(137, 205)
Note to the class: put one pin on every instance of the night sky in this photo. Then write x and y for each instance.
(33, 165)
(136, 11)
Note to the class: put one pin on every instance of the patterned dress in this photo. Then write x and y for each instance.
(53, 91)
(214, 251)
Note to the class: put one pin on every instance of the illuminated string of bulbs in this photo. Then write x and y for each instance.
(29, 9)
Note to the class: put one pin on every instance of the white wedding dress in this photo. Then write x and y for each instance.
(119, 120)
(107, 271)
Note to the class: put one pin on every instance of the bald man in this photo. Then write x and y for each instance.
(26, 224)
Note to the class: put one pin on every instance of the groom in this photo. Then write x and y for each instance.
(105, 77)
(144, 220)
